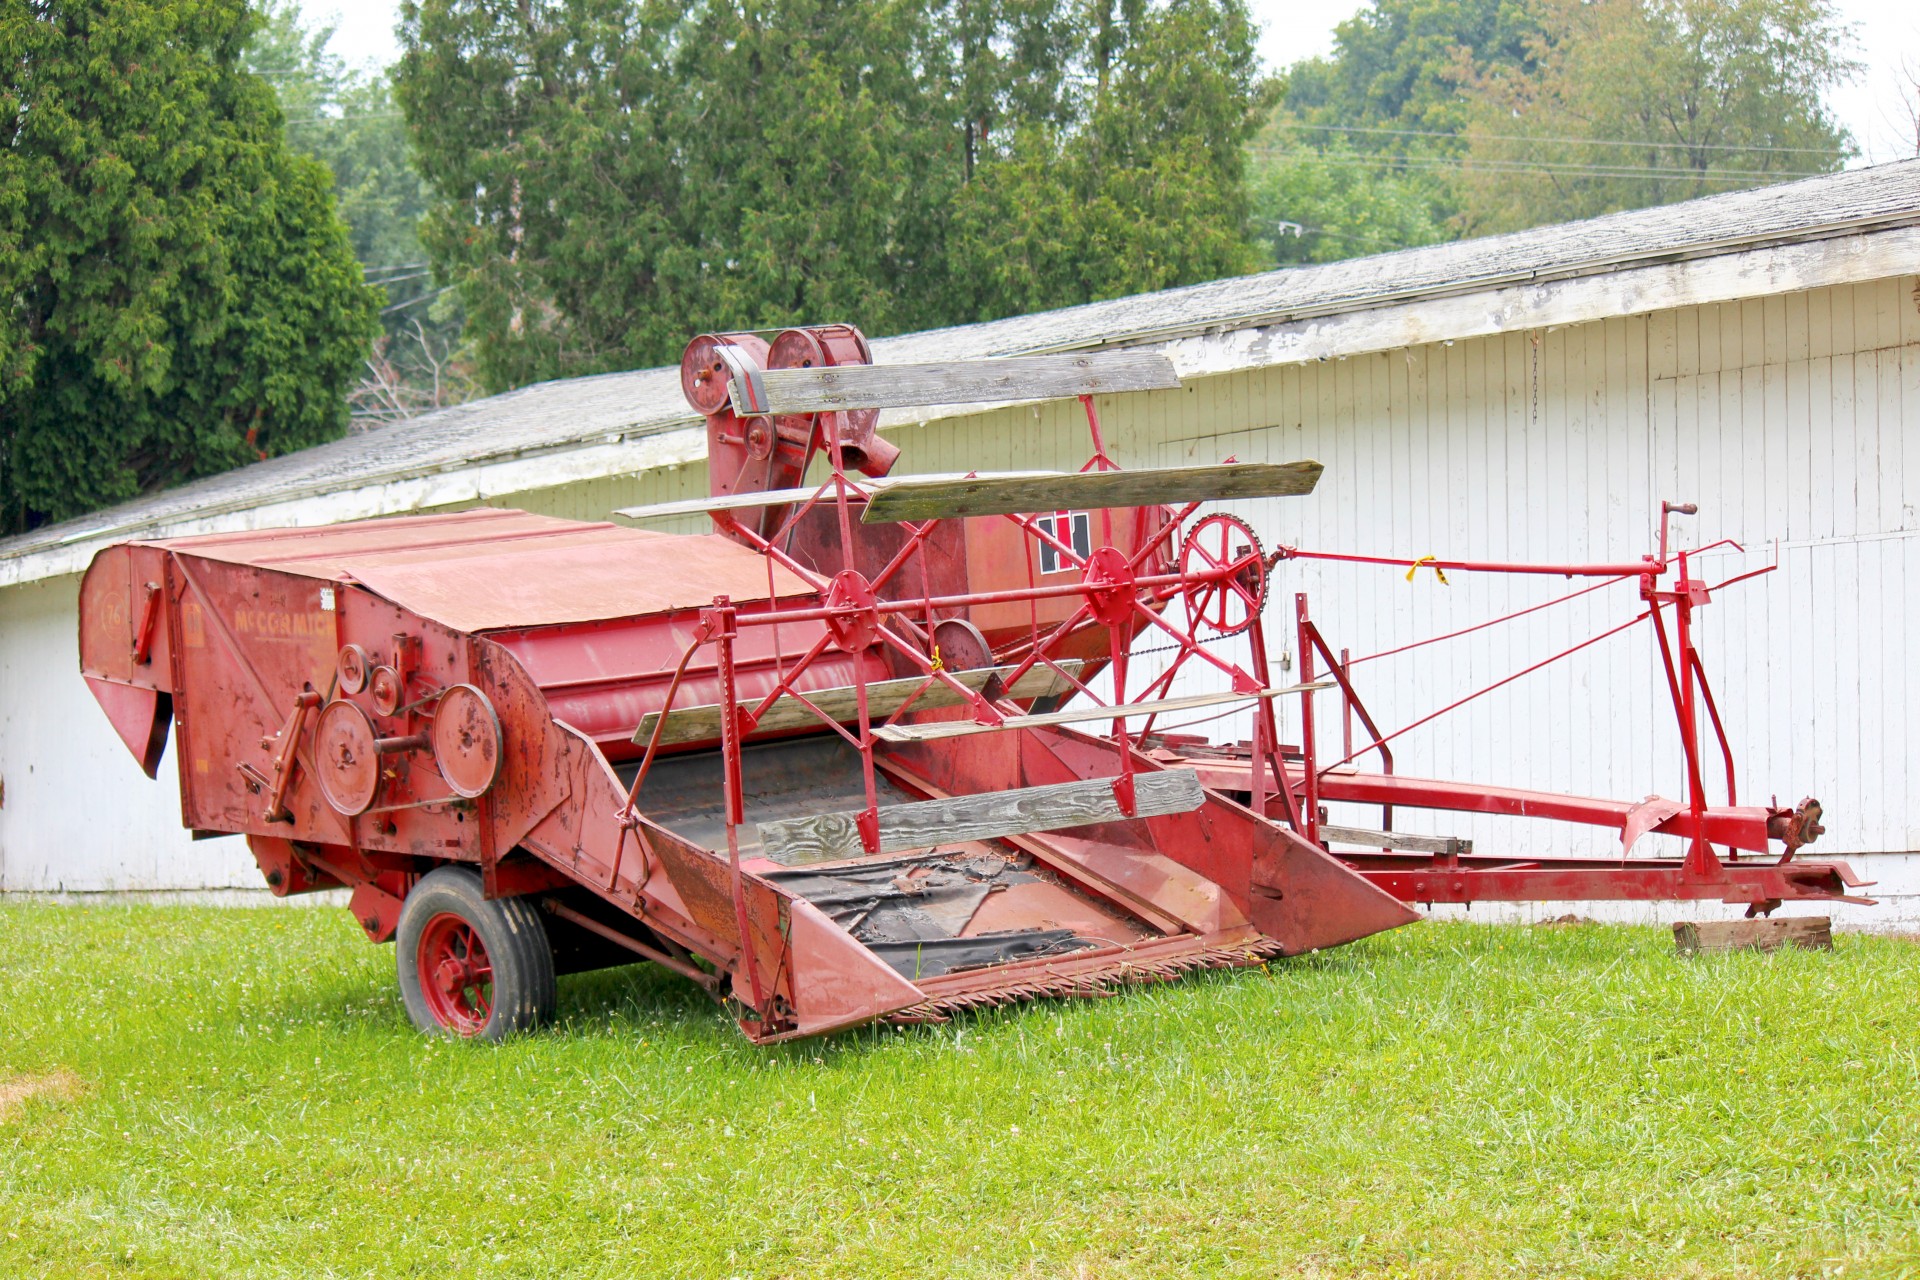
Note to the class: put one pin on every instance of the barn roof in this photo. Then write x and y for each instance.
(1783, 238)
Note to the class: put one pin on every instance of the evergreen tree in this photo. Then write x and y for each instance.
(1358, 154)
(618, 174)
(1631, 103)
(346, 118)
(181, 297)
(1141, 186)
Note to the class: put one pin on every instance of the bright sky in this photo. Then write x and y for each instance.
(1886, 33)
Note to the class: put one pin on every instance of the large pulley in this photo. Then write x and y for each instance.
(1226, 574)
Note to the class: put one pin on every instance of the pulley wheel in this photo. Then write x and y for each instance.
(1108, 582)
(1225, 604)
(346, 757)
(961, 644)
(353, 666)
(467, 746)
(703, 375)
(821, 347)
(388, 690)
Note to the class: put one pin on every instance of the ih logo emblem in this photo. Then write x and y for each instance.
(1075, 528)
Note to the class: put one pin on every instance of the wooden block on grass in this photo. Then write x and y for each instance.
(1809, 933)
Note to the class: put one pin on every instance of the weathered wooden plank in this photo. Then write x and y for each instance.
(1809, 933)
(832, 836)
(890, 386)
(1078, 715)
(1088, 490)
(884, 697)
(787, 497)
(1393, 840)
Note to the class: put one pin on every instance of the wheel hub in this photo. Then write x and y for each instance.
(458, 973)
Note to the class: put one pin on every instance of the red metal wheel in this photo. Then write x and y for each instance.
(456, 974)
(470, 965)
(1108, 581)
(346, 757)
(467, 747)
(388, 690)
(1233, 591)
(353, 666)
(855, 623)
(703, 374)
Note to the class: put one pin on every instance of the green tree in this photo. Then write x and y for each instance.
(1396, 66)
(181, 297)
(1139, 184)
(1356, 155)
(1631, 103)
(1322, 204)
(346, 118)
(618, 174)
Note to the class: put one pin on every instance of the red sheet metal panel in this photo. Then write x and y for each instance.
(485, 570)
(626, 573)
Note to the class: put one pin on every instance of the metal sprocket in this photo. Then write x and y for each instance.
(1228, 606)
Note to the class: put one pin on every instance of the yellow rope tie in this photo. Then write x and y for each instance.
(1438, 572)
(938, 665)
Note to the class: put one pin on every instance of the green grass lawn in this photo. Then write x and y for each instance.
(200, 1092)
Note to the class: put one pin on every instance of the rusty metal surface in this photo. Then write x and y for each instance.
(489, 569)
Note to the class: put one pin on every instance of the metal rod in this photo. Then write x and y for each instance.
(1494, 622)
(1480, 566)
(1720, 730)
(1351, 698)
(735, 808)
(1310, 773)
(1011, 595)
(1479, 693)
(709, 982)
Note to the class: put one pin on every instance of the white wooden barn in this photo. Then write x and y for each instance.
(1532, 396)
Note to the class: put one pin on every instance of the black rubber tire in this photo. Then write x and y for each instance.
(515, 938)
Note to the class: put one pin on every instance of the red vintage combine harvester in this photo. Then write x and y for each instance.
(843, 758)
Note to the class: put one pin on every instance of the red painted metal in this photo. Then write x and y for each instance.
(1224, 606)
(456, 974)
(370, 701)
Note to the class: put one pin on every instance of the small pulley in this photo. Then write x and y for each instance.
(353, 666)
(1228, 602)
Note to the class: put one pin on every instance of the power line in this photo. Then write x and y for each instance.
(342, 119)
(1538, 167)
(414, 302)
(1587, 142)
